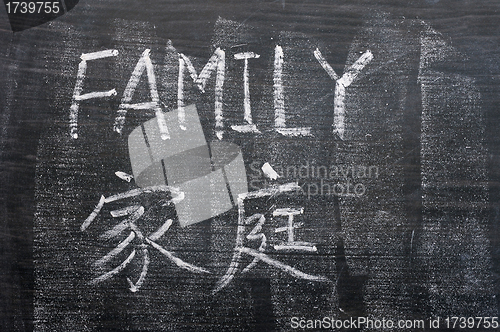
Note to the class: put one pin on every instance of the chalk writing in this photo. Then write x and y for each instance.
(291, 244)
(144, 63)
(124, 176)
(217, 62)
(341, 83)
(77, 93)
(279, 99)
(249, 127)
(143, 242)
(269, 171)
(256, 234)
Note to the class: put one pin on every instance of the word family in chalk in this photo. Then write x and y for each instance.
(250, 234)
(217, 64)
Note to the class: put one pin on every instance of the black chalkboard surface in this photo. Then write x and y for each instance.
(251, 166)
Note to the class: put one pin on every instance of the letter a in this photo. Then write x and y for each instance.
(143, 63)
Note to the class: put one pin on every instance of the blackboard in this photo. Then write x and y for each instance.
(251, 166)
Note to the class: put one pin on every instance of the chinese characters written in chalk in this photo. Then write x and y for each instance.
(250, 230)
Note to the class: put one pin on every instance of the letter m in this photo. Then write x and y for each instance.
(216, 62)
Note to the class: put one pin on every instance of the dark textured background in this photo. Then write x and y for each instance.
(423, 242)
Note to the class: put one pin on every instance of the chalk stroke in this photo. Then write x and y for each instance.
(341, 83)
(411, 241)
(135, 212)
(119, 248)
(306, 131)
(98, 55)
(144, 64)
(115, 271)
(94, 214)
(77, 93)
(233, 266)
(296, 246)
(269, 172)
(177, 261)
(179, 195)
(271, 191)
(326, 66)
(216, 62)
(139, 106)
(135, 287)
(124, 176)
(124, 211)
(288, 212)
(181, 112)
(249, 127)
(279, 99)
(159, 233)
(284, 267)
(162, 123)
(97, 94)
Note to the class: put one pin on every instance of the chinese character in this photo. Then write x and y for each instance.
(137, 242)
(258, 220)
